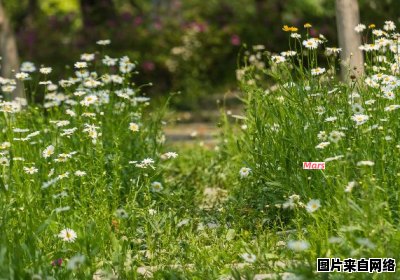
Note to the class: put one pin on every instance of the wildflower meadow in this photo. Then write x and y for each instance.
(301, 183)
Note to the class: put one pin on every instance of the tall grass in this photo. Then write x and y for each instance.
(310, 116)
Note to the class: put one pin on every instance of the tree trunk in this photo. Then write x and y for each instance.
(347, 17)
(8, 51)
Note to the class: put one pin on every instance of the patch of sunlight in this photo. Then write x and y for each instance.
(56, 6)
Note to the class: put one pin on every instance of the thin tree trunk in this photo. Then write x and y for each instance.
(8, 51)
(347, 17)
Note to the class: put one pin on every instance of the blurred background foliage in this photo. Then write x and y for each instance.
(187, 46)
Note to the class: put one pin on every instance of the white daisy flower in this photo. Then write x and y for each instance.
(81, 64)
(126, 67)
(152, 212)
(51, 173)
(365, 163)
(366, 242)
(28, 67)
(5, 145)
(45, 70)
(62, 176)
(389, 26)
(330, 119)
(350, 186)
(87, 56)
(335, 136)
(360, 28)
(62, 209)
(320, 110)
(357, 108)
(91, 83)
(147, 162)
(298, 245)
(48, 151)
(30, 170)
(156, 187)
(121, 213)
(244, 172)
(8, 88)
(317, 71)
(169, 155)
(332, 51)
(22, 76)
(182, 223)
(335, 239)
(291, 276)
(322, 145)
(311, 43)
(392, 107)
(80, 173)
(68, 235)
(75, 262)
(88, 100)
(4, 161)
(295, 35)
(109, 61)
(278, 59)
(313, 205)
(360, 118)
(334, 158)
(248, 257)
(134, 127)
(103, 42)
